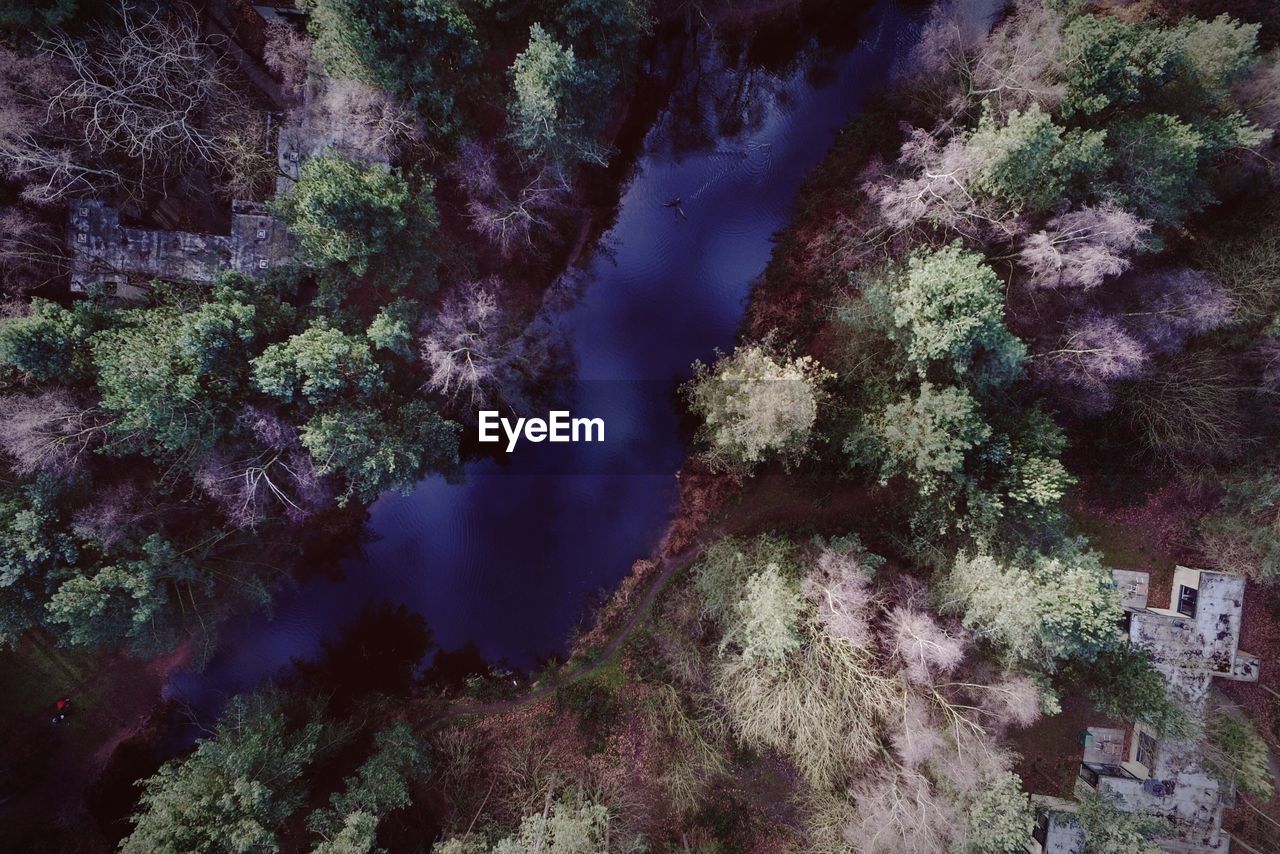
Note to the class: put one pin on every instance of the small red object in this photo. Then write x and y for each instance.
(62, 704)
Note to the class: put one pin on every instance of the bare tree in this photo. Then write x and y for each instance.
(925, 648)
(916, 738)
(1175, 305)
(31, 251)
(46, 154)
(1021, 63)
(1193, 411)
(145, 90)
(465, 345)
(287, 53)
(278, 474)
(1095, 353)
(1081, 248)
(930, 184)
(1259, 93)
(508, 219)
(898, 812)
(114, 515)
(50, 432)
(355, 119)
(247, 161)
(477, 354)
(938, 71)
(839, 586)
(1014, 701)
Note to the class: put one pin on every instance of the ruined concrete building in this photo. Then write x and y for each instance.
(102, 251)
(1192, 642)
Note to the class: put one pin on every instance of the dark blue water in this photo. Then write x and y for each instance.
(509, 560)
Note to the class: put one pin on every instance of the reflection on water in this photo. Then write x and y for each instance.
(502, 566)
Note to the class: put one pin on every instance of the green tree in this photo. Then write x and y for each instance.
(756, 404)
(571, 824)
(1019, 470)
(605, 35)
(1000, 818)
(1110, 830)
(36, 553)
(362, 217)
(425, 51)
(1215, 56)
(234, 791)
(358, 835)
(48, 343)
(1118, 65)
(131, 601)
(1159, 167)
(1030, 162)
(1161, 163)
(321, 363)
(544, 113)
(375, 452)
(171, 377)
(948, 310)
(380, 786)
(1113, 63)
(392, 328)
(927, 436)
(765, 619)
(1122, 683)
(1038, 608)
(1237, 754)
(721, 573)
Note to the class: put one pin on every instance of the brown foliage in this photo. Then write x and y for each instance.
(51, 432)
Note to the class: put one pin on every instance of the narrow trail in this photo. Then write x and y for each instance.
(669, 567)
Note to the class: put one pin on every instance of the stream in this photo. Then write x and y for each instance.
(504, 566)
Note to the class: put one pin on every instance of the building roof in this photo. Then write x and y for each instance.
(1194, 645)
(103, 250)
(1192, 642)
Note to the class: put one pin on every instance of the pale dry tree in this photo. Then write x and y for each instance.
(1095, 354)
(930, 183)
(116, 514)
(287, 54)
(925, 649)
(145, 89)
(31, 251)
(465, 345)
(507, 219)
(900, 812)
(278, 473)
(48, 156)
(357, 119)
(915, 738)
(935, 188)
(839, 587)
(1175, 305)
(938, 70)
(822, 708)
(50, 432)
(1020, 64)
(1013, 701)
(1080, 249)
(1259, 92)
